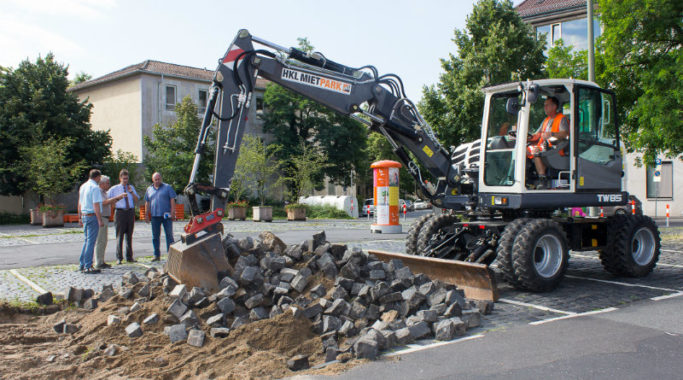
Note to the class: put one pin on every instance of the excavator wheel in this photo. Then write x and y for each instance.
(434, 232)
(633, 246)
(540, 255)
(414, 232)
(504, 250)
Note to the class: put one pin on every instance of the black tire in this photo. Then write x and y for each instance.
(414, 232)
(633, 246)
(432, 230)
(540, 255)
(504, 249)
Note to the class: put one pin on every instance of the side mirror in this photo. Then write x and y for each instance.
(532, 93)
(512, 106)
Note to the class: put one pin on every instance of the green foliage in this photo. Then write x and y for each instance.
(7, 218)
(379, 149)
(82, 77)
(237, 204)
(122, 160)
(291, 118)
(641, 47)
(36, 107)
(171, 149)
(49, 168)
(257, 166)
(563, 62)
(325, 212)
(302, 169)
(496, 46)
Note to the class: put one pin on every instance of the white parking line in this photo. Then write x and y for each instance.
(623, 283)
(415, 347)
(658, 264)
(667, 296)
(28, 282)
(607, 310)
(539, 307)
(670, 250)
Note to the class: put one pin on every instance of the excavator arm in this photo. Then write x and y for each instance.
(360, 93)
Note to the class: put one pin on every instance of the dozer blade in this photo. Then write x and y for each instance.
(475, 279)
(201, 263)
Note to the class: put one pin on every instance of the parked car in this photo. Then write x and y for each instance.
(368, 206)
(422, 205)
(410, 205)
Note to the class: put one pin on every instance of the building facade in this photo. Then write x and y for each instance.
(656, 187)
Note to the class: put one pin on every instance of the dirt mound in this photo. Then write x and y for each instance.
(31, 349)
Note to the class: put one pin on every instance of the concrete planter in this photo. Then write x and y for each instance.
(296, 214)
(36, 216)
(237, 213)
(53, 218)
(262, 213)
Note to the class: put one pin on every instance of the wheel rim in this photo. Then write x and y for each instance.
(548, 256)
(643, 246)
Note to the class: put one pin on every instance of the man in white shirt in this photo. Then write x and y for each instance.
(89, 200)
(124, 218)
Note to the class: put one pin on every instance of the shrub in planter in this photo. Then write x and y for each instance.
(237, 210)
(296, 211)
(53, 215)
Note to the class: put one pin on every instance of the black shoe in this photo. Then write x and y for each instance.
(91, 270)
(119, 262)
(542, 183)
(131, 261)
(156, 258)
(80, 269)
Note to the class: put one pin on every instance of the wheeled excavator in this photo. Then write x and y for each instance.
(492, 207)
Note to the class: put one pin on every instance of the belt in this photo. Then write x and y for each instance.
(91, 214)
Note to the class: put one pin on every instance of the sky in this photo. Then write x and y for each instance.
(97, 37)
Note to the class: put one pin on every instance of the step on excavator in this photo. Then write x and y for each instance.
(546, 146)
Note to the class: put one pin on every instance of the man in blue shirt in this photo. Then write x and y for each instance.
(125, 215)
(160, 206)
(89, 214)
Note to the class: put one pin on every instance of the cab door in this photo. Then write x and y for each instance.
(598, 158)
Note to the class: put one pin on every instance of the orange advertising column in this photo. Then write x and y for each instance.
(385, 194)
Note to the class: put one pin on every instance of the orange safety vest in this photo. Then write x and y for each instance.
(554, 128)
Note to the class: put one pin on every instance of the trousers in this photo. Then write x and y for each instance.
(90, 229)
(157, 222)
(101, 244)
(125, 222)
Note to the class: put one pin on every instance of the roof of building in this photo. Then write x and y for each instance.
(537, 8)
(150, 67)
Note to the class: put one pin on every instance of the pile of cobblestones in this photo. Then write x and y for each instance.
(357, 304)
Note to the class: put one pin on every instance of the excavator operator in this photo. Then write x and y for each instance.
(554, 125)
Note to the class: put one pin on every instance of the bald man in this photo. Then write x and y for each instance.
(160, 209)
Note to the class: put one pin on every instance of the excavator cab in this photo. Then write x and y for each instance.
(587, 161)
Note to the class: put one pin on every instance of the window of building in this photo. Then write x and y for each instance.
(203, 97)
(259, 107)
(573, 33)
(170, 98)
(664, 187)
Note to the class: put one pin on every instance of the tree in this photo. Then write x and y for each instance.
(82, 77)
(303, 169)
(563, 62)
(291, 118)
(257, 166)
(641, 47)
(51, 171)
(496, 46)
(36, 106)
(122, 160)
(171, 149)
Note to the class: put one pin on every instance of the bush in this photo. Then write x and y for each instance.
(325, 212)
(7, 218)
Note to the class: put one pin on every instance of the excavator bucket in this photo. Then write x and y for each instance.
(476, 280)
(201, 262)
